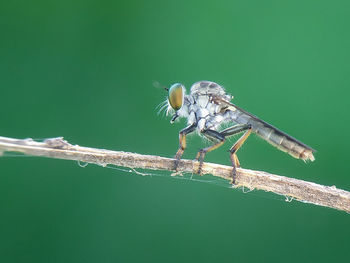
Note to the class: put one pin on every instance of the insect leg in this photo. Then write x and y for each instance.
(220, 137)
(182, 142)
(237, 145)
(213, 135)
(235, 129)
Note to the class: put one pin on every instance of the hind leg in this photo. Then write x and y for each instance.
(233, 151)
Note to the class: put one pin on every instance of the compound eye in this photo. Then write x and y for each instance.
(176, 96)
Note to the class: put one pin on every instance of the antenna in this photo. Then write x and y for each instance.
(156, 84)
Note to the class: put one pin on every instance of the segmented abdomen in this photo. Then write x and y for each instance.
(274, 136)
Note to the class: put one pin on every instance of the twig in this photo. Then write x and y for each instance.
(294, 189)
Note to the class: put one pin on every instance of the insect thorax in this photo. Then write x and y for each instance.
(202, 109)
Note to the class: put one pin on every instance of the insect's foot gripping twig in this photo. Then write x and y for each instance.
(176, 163)
(233, 175)
(235, 164)
(177, 158)
(200, 159)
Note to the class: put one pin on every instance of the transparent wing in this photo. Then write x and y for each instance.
(271, 134)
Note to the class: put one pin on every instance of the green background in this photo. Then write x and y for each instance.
(85, 70)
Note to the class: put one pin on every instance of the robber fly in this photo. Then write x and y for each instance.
(208, 107)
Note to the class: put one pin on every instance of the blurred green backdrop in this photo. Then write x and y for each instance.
(85, 70)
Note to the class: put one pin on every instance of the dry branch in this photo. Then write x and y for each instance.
(297, 189)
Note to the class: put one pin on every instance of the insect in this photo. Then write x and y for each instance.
(208, 107)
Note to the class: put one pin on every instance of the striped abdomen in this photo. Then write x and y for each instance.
(274, 136)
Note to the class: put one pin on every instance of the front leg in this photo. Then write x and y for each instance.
(182, 143)
(214, 135)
